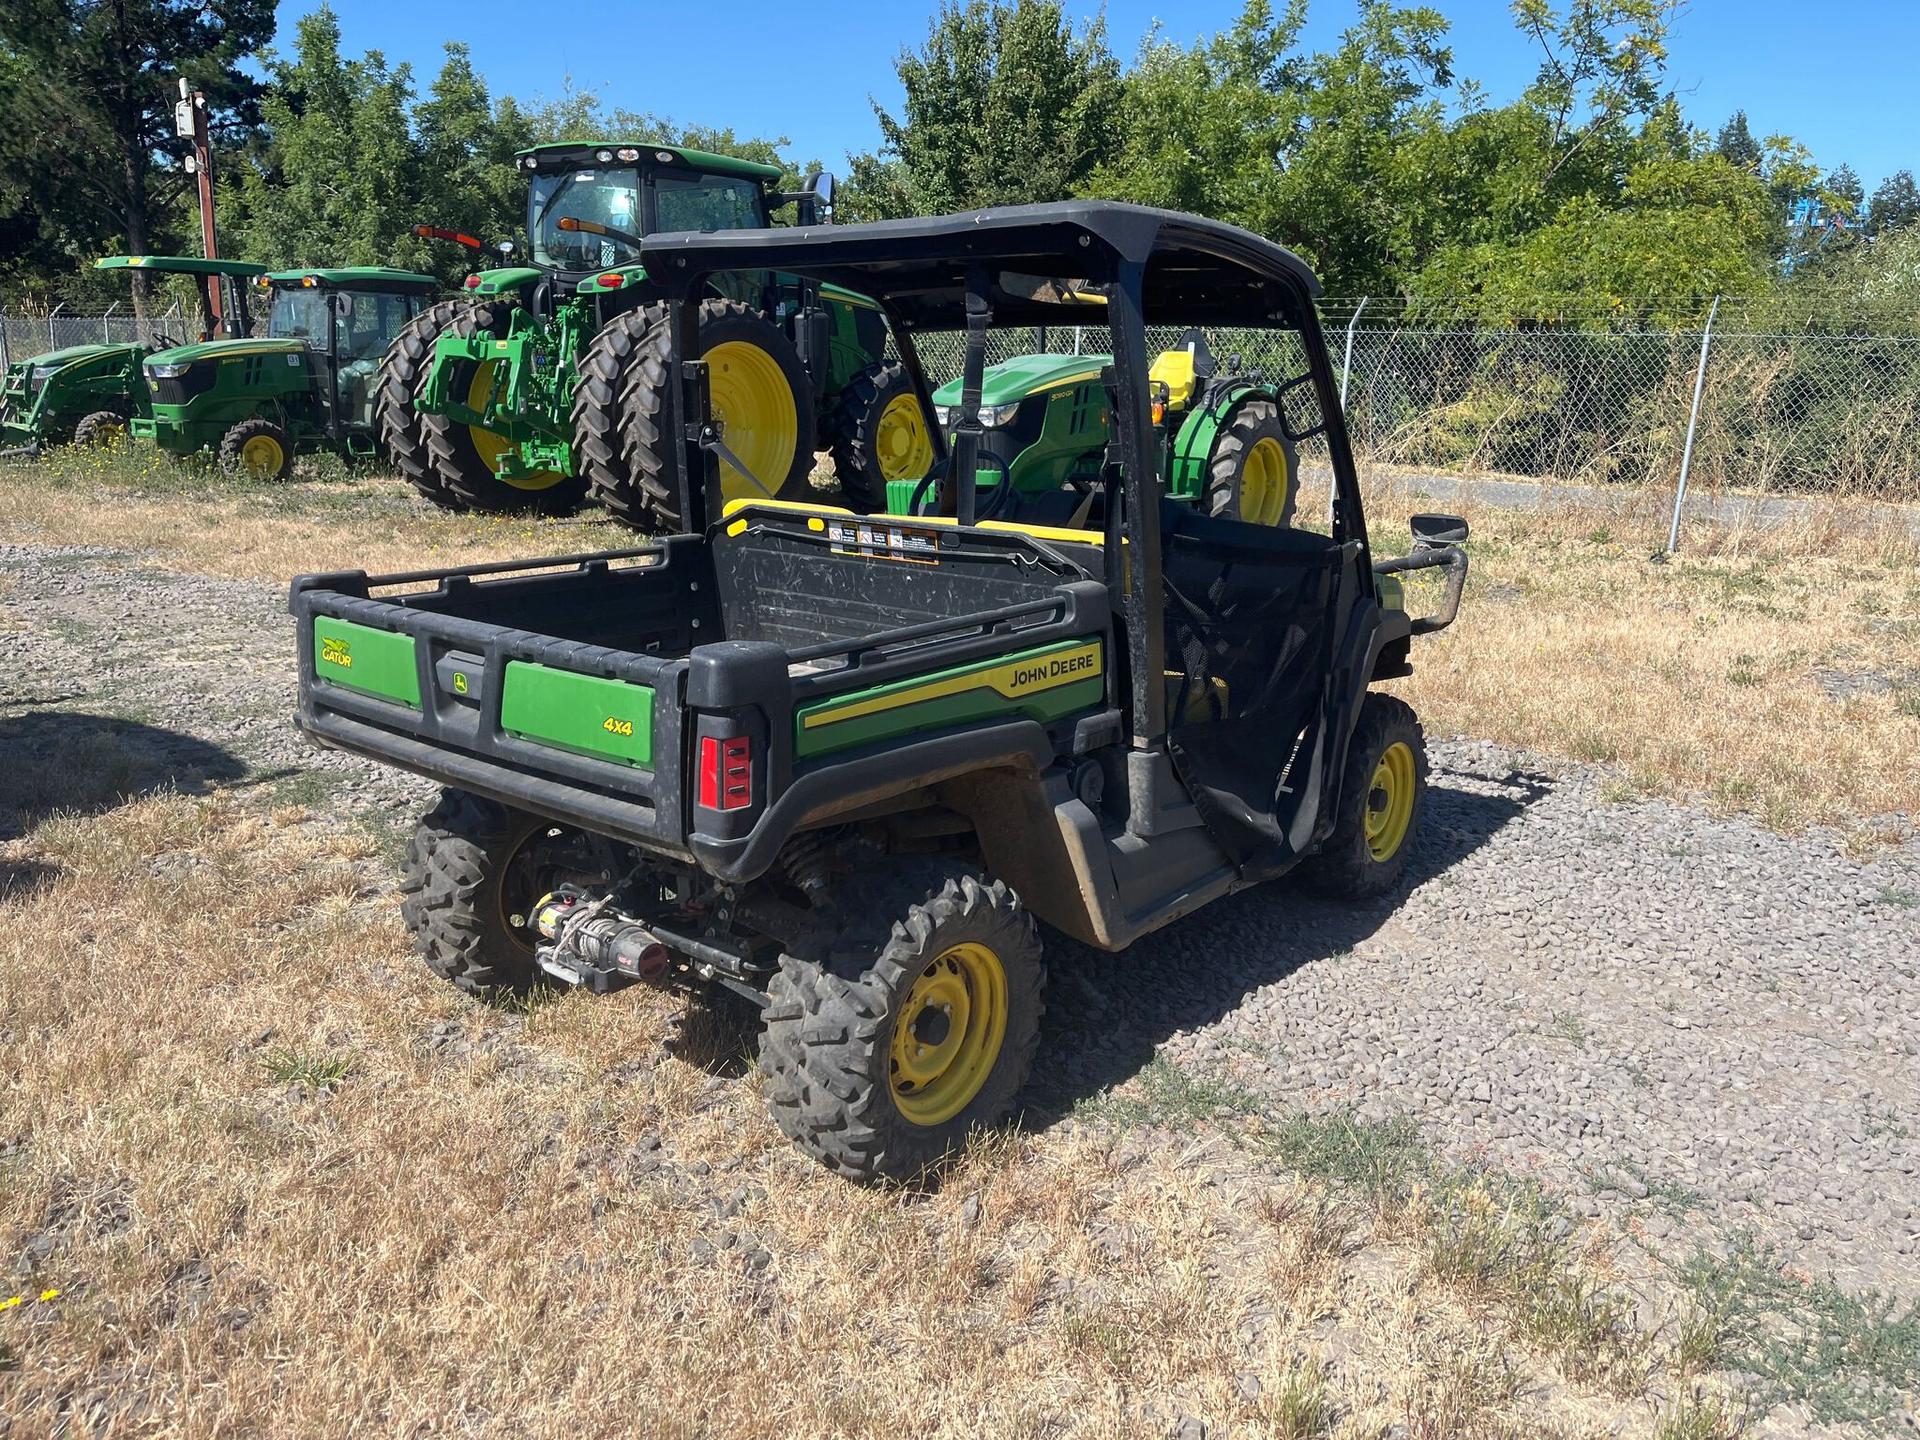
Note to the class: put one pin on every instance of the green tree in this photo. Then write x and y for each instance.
(342, 177)
(1006, 104)
(87, 143)
(1736, 143)
(1896, 204)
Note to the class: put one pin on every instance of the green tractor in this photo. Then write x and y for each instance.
(1223, 442)
(86, 394)
(307, 384)
(547, 381)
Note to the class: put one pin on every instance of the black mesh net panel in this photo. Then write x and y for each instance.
(1249, 621)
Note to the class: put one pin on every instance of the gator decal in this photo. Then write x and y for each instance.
(1044, 685)
(358, 657)
(608, 719)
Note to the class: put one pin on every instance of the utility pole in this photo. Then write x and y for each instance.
(190, 123)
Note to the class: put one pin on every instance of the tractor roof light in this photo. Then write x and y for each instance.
(629, 154)
(605, 157)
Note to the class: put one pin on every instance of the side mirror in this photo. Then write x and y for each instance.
(820, 185)
(1435, 530)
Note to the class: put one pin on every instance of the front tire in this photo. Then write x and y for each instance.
(917, 1028)
(1254, 473)
(879, 434)
(1383, 791)
(100, 429)
(256, 450)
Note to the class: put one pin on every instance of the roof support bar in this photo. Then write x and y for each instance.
(1144, 600)
(966, 431)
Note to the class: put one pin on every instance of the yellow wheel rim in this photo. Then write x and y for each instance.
(901, 446)
(758, 419)
(110, 434)
(1264, 483)
(262, 457)
(948, 1034)
(1390, 801)
(491, 446)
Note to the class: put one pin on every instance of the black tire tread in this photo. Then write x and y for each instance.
(395, 422)
(1344, 868)
(1253, 418)
(452, 856)
(858, 408)
(598, 453)
(827, 1026)
(86, 432)
(239, 434)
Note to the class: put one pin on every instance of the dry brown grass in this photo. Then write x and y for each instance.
(287, 1184)
(1775, 672)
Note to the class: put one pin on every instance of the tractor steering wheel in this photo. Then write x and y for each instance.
(938, 470)
(164, 341)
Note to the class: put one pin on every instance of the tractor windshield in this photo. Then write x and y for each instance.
(706, 202)
(299, 314)
(609, 197)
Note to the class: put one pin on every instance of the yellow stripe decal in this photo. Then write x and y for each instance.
(1082, 661)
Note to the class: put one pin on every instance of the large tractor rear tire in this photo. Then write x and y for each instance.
(463, 456)
(760, 395)
(1254, 474)
(598, 452)
(395, 421)
(879, 434)
(917, 1028)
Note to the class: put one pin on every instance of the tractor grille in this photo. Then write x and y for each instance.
(179, 389)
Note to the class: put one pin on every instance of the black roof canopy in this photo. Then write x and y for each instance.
(1045, 263)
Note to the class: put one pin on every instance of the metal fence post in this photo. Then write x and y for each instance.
(106, 324)
(1346, 365)
(53, 344)
(1693, 421)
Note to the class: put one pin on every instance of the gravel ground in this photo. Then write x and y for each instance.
(1681, 1021)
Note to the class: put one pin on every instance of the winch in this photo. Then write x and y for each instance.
(590, 944)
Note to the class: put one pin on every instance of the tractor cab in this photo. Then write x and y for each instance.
(86, 394)
(307, 384)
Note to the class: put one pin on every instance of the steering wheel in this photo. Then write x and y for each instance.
(938, 470)
(164, 341)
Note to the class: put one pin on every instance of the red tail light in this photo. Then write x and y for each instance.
(473, 282)
(726, 772)
(611, 282)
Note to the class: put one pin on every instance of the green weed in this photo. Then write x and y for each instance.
(317, 1070)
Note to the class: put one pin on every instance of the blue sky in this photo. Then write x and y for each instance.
(1837, 75)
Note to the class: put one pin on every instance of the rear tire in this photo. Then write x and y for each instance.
(1252, 456)
(877, 437)
(834, 1029)
(598, 453)
(256, 450)
(101, 428)
(456, 905)
(395, 421)
(1382, 794)
(651, 499)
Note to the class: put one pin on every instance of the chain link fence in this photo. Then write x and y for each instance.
(26, 335)
(1802, 410)
(1819, 407)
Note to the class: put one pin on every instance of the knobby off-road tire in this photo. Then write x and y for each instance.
(651, 498)
(396, 424)
(871, 446)
(256, 450)
(1382, 794)
(1242, 468)
(828, 1032)
(452, 888)
(101, 428)
(598, 453)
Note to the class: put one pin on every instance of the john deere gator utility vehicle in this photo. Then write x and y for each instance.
(546, 381)
(839, 764)
(85, 394)
(307, 384)
(1223, 445)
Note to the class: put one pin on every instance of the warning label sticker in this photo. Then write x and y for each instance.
(877, 539)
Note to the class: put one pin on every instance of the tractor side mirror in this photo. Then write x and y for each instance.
(1430, 531)
(816, 198)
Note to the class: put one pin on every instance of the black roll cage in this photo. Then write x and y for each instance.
(1132, 264)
